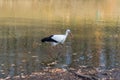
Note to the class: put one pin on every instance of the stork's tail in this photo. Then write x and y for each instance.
(44, 40)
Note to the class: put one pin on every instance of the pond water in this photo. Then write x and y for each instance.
(94, 44)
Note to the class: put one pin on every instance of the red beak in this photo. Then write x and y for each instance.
(71, 35)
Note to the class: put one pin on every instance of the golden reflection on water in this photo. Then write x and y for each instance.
(24, 22)
(60, 9)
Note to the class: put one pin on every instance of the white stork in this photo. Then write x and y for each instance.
(57, 39)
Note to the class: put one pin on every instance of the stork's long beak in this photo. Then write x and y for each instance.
(71, 35)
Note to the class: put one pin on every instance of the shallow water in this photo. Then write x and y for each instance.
(23, 23)
(93, 44)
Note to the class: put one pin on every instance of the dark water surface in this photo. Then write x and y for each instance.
(93, 44)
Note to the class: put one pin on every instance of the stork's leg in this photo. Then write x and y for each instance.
(61, 49)
(61, 45)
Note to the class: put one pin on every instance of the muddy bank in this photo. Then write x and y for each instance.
(80, 73)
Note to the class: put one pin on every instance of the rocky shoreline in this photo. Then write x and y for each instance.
(80, 73)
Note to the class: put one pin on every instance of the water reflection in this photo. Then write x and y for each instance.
(68, 53)
(102, 62)
(21, 51)
(65, 57)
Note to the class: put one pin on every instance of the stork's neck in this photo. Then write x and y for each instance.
(66, 34)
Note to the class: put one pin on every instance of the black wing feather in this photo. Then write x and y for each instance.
(48, 39)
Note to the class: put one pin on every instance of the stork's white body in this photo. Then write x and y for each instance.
(59, 38)
(56, 39)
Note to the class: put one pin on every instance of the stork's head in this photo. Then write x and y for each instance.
(69, 32)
